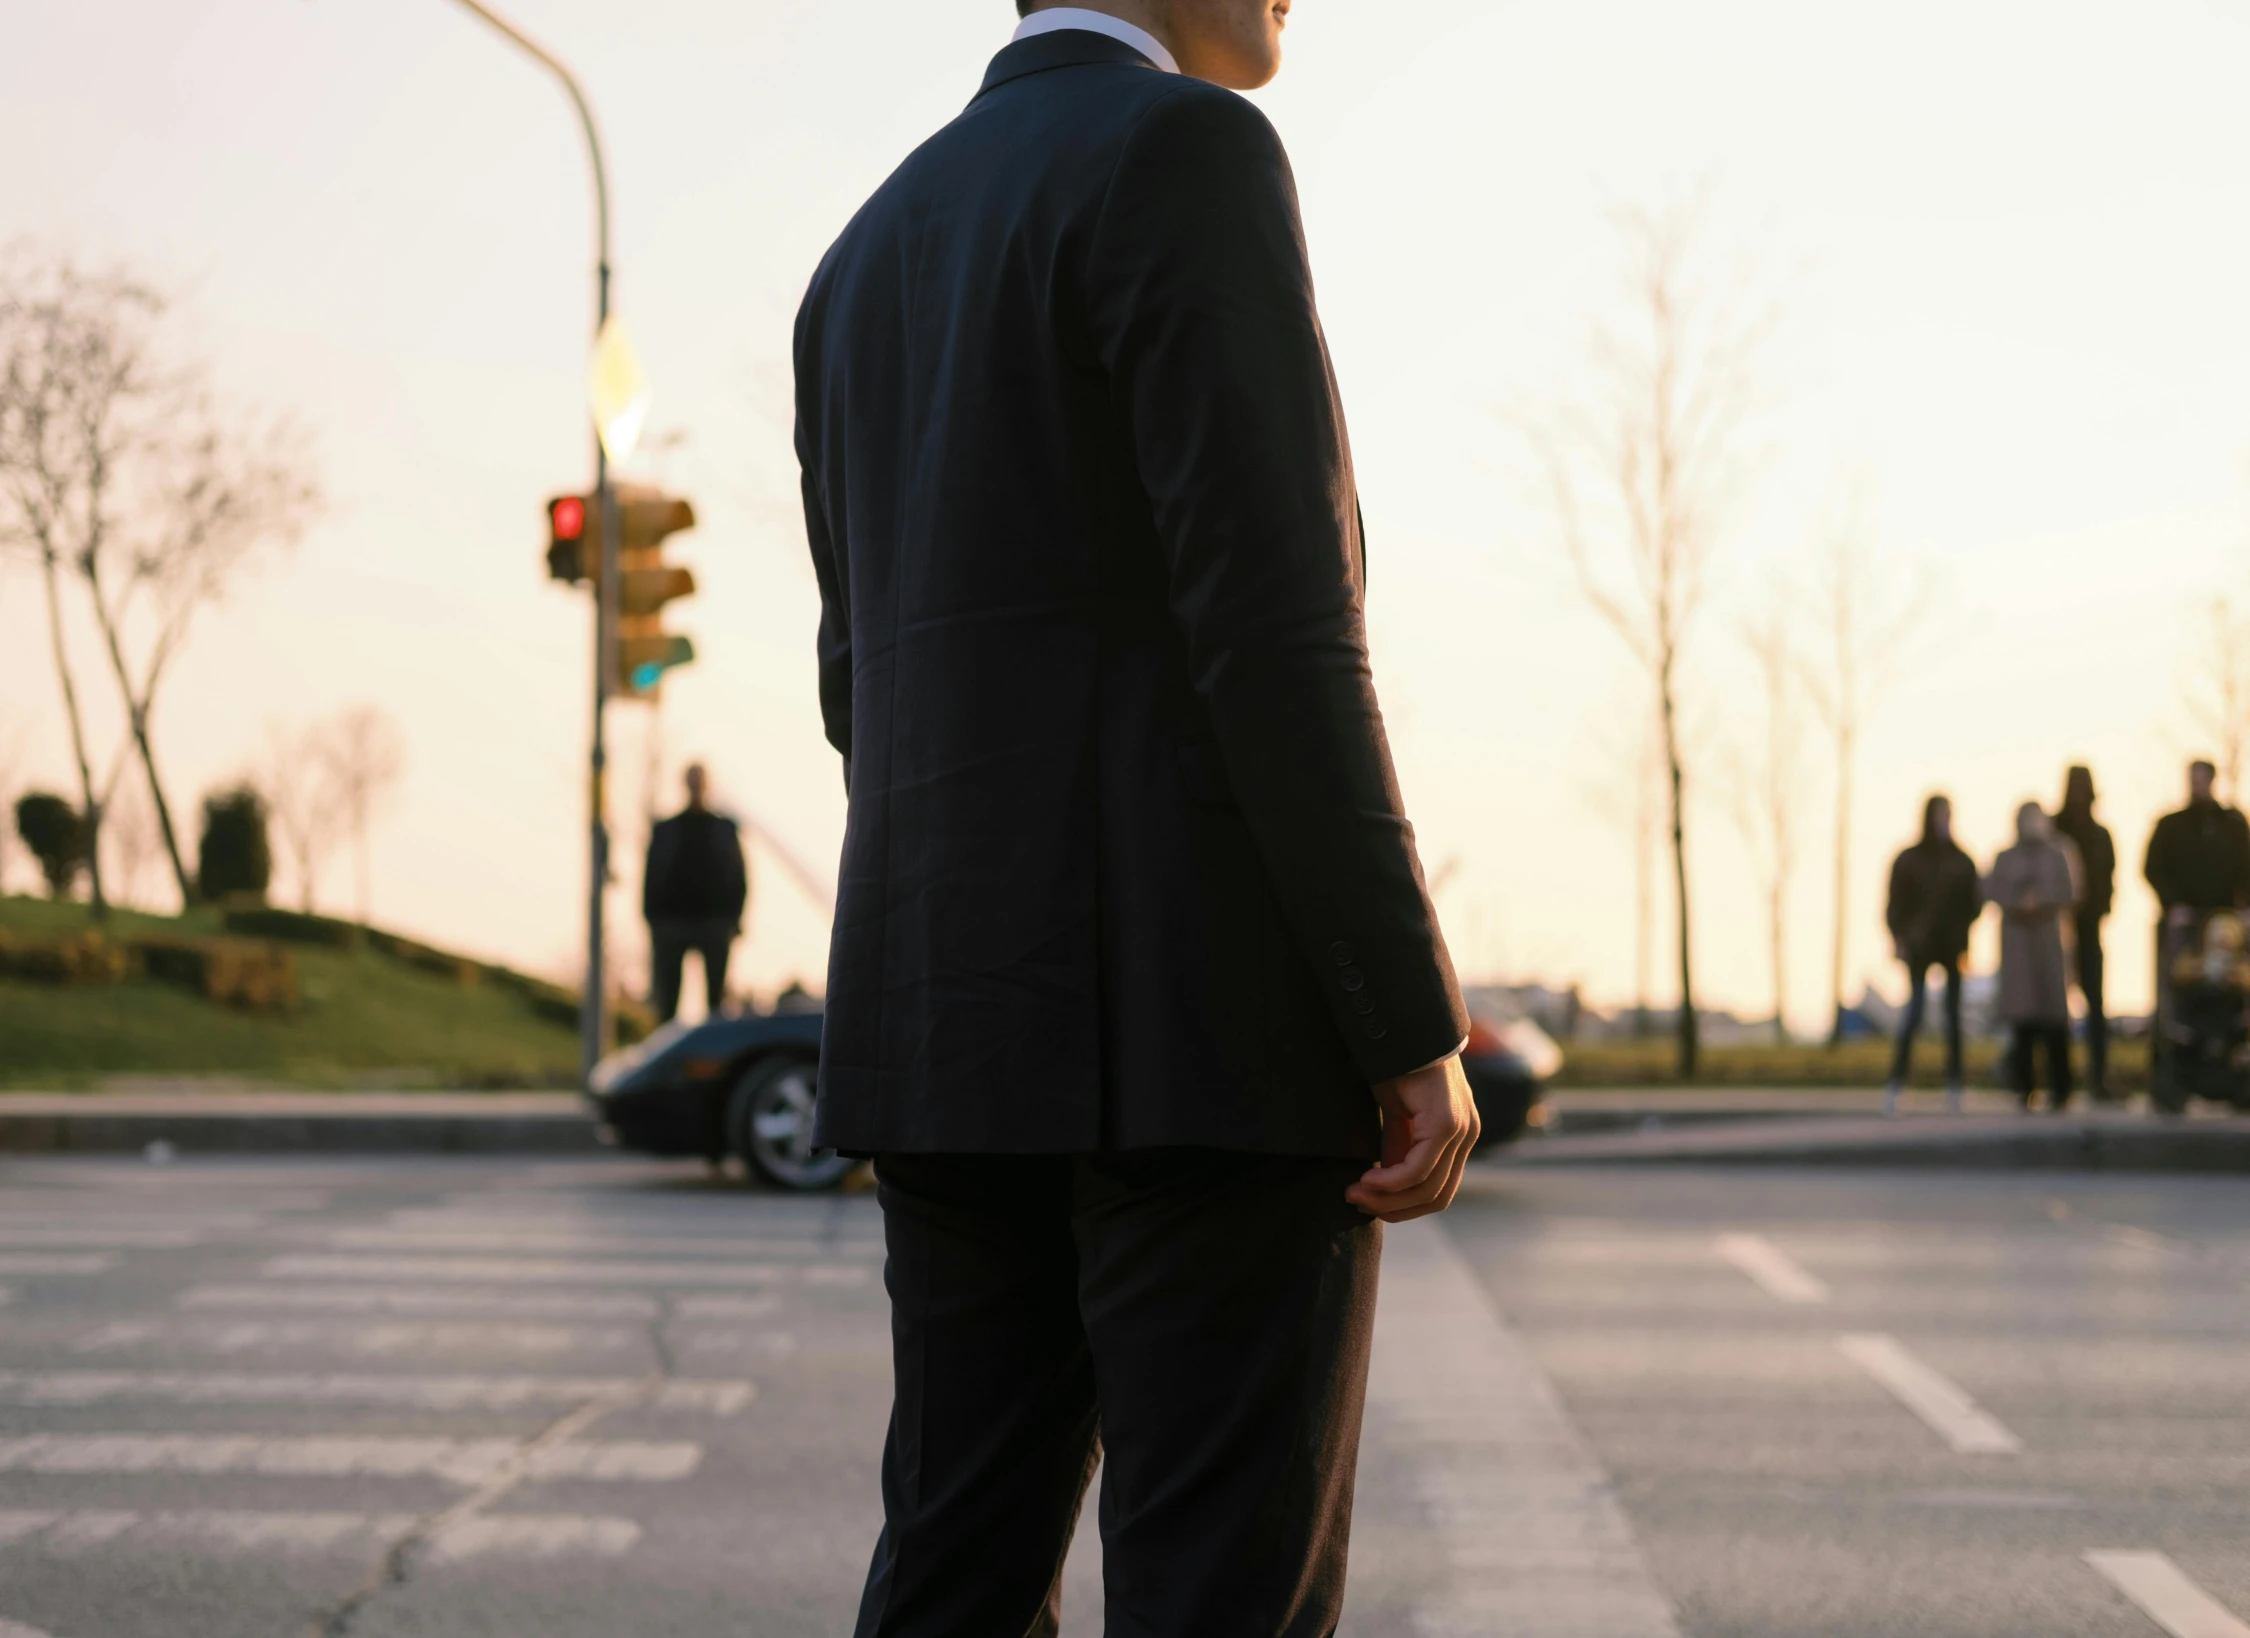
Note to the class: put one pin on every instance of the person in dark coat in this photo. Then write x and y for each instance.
(2035, 884)
(1135, 992)
(693, 893)
(1933, 904)
(2199, 857)
(2097, 885)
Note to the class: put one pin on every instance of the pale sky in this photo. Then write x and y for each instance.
(2010, 243)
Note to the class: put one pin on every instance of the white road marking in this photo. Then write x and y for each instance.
(517, 1535)
(7, 1295)
(1528, 1522)
(422, 1301)
(2166, 1596)
(705, 1308)
(716, 1398)
(1936, 1399)
(386, 1456)
(56, 1262)
(16, 1629)
(555, 1242)
(559, 1271)
(122, 1238)
(1778, 1274)
(369, 1340)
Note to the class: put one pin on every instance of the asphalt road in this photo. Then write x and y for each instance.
(574, 1399)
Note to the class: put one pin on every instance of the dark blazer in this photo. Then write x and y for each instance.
(1126, 862)
(2097, 861)
(695, 870)
(2200, 857)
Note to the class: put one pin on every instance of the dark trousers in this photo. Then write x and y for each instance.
(1197, 1320)
(1918, 977)
(2097, 1017)
(668, 944)
(2054, 1039)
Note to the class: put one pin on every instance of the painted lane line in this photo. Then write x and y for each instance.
(16, 1629)
(518, 1535)
(559, 1271)
(1532, 1536)
(560, 1243)
(1778, 1274)
(423, 1302)
(1936, 1399)
(384, 1339)
(2166, 1596)
(468, 1462)
(36, 1388)
(59, 1262)
(129, 1239)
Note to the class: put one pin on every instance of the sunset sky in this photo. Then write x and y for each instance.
(2008, 247)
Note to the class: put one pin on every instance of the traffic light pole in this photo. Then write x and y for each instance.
(593, 1007)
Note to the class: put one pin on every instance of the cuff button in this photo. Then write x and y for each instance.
(1377, 1029)
(1340, 953)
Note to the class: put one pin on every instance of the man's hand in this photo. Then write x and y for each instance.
(1429, 1126)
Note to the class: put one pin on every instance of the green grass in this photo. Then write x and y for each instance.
(366, 1019)
(1854, 1063)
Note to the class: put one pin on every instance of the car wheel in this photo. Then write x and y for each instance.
(770, 1125)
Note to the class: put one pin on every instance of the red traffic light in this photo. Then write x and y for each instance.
(566, 518)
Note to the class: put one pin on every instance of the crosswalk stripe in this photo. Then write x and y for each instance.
(1935, 1398)
(2166, 1596)
(1778, 1274)
(563, 1270)
(465, 1461)
(515, 1535)
(159, 1239)
(424, 1302)
(33, 1388)
(16, 1629)
(368, 1339)
(564, 1242)
(1526, 1520)
(56, 1262)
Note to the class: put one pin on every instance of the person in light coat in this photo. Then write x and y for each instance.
(2035, 885)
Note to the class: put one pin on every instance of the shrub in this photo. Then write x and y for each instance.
(233, 972)
(265, 921)
(82, 958)
(56, 834)
(235, 857)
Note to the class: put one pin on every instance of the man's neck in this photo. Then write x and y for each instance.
(1142, 14)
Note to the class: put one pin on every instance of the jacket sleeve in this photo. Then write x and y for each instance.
(2157, 867)
(654, 869)
(1200, 304)
(833, 645)
(1894, 912)
(734, 886)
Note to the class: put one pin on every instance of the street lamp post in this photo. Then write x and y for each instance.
(592, 1009)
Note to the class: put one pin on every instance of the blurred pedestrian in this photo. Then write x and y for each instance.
(1933, 904)
(2199, 857)
(2035, 885)
(693, 893)
(2097, 884)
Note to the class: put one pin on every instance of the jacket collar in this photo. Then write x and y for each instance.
(1064, 48)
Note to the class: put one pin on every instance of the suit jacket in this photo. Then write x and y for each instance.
(695, 870)
(1126, 863)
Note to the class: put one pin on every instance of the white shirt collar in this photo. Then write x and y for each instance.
(1098, 22)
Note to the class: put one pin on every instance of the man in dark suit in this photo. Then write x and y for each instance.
(693, 892)
(1135, 993)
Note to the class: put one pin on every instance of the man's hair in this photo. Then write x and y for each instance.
(1023, 7)
(2206, 769)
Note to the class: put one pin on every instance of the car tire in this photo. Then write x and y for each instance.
(769, 1124)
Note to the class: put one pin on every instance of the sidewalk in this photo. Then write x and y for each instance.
(204, 1121)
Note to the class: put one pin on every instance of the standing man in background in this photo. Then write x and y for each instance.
(2199, 857)
(2097, 886)
(1135, 993)
(693, 892)
(1933, 903)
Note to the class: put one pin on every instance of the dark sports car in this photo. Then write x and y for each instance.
(744, 1084)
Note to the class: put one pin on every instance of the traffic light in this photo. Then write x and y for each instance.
(645, 582)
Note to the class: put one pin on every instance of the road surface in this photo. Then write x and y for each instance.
(572, 1399)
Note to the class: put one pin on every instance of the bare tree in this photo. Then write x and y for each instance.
(139, 482)
(1660, 449)
(296, 778)
(1768, 784)
(129, 831)
(1866, 615)
(365, 757)
(2218, 688)
(1632, 798)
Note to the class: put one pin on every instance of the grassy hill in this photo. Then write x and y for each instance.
(365, 1013)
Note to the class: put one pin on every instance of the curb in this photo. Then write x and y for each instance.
(2093, 1143)
(284, 1123)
